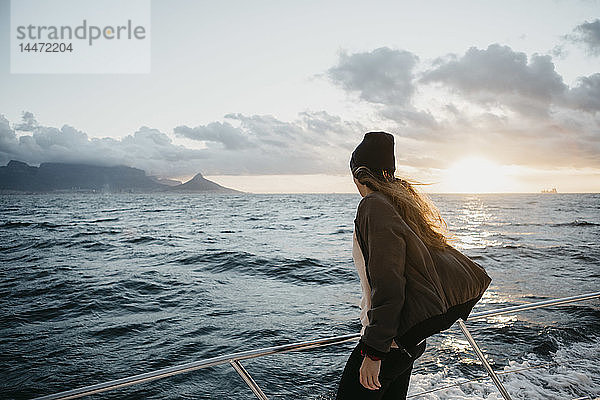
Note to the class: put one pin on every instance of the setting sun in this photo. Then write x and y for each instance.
(476, 175)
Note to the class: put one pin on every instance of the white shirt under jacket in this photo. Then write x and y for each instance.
(365, 300)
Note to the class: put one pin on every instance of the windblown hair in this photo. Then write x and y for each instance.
(417, 210)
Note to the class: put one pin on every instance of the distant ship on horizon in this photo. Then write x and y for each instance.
(553, 190)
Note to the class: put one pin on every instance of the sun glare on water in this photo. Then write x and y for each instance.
(476, 175)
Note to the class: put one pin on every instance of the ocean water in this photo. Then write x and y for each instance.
(98, 287)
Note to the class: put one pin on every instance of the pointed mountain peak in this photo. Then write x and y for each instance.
(200, 184)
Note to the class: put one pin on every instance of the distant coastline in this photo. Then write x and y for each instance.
(18, 177)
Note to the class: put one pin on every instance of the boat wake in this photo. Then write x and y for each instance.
(572, 372)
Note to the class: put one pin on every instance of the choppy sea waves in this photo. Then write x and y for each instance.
(99, 287)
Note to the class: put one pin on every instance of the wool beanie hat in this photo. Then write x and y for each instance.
(376, 151)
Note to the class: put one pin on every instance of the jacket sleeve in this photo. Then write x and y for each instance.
(378, 224)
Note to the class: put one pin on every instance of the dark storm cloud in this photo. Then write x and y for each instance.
(588, 34)
(382, 76)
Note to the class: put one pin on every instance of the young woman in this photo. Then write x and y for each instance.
(414, 283)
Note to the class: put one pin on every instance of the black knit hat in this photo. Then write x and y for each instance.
(376, 152)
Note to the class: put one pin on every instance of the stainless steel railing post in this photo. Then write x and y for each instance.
(248, 379)
(485, 363)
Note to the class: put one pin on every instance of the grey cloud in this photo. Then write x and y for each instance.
(268, 130)
(500, 75)
(216, 132)
(312, 132)
(410, 116)
(327, 124)
(496, 76)
(586, 95)
(316, 142)
(588, 34)
(55, 140)
(559, 51)
(564, 132)
(383, 75)
(8, 138)
(385, 78)
(562, 128)
(28, 124)
(147, 148)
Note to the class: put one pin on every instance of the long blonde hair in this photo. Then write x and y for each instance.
(417, 210)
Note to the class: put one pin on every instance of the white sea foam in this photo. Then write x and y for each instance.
(573, 372)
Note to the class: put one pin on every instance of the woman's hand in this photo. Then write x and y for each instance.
(369, 373)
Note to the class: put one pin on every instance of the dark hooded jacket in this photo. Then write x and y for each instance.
(416, 291)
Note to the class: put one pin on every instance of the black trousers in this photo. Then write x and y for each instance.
(394, 375)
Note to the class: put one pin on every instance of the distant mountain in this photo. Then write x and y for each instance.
(168, 182)
(200, 184)
(17, 176)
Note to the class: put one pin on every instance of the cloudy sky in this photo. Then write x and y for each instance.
(269, 96)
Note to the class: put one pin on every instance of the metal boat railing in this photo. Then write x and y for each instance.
(234, 358)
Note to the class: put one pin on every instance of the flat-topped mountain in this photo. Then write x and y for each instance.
(18, 176)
